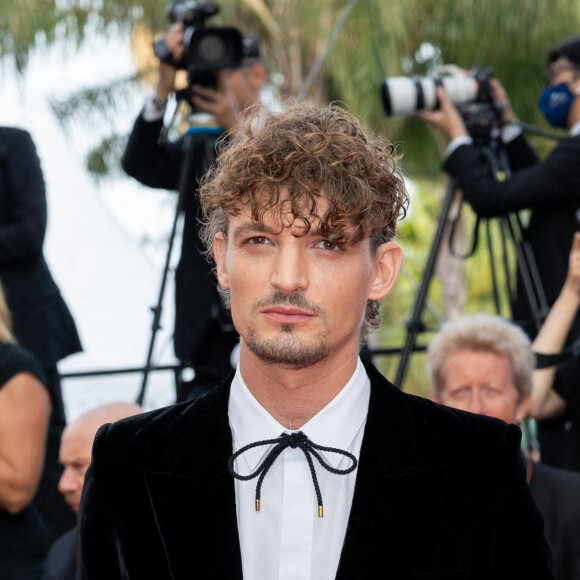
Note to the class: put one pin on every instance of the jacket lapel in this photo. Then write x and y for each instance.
(396, 498)
(194, 505)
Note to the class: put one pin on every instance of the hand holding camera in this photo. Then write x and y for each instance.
(502, 102)
(446, 118)
(168, 49)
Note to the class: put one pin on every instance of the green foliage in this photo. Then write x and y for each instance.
(96, 108)
(375, 40)
(103, 161)
(512, 38)
(90, 103)
(415, 236)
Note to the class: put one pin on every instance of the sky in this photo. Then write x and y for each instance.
(94, 245)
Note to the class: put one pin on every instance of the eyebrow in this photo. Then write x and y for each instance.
(262, 228)
(253, 227)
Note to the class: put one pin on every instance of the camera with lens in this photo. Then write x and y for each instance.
(207, 49)
(470, 93)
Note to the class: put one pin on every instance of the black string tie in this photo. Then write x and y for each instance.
(293, 440)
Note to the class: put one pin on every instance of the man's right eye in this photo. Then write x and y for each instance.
(460, 393)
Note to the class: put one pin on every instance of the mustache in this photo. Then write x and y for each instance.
(297, 300)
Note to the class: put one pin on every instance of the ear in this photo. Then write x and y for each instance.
(522, 409)
(220, 254)
(388, 261)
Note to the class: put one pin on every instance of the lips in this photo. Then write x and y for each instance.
(73, 501)
(283, 315)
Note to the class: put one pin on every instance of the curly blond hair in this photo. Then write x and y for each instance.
(290, 161)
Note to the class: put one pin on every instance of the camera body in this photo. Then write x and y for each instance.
(207, 50)
(481, 115)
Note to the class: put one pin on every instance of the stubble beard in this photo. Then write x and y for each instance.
(286, 348)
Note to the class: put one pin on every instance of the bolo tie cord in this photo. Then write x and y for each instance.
(294, 440)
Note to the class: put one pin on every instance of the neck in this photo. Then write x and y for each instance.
(574, 114)
(294, 396)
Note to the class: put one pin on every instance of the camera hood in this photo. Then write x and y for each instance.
(212, 49)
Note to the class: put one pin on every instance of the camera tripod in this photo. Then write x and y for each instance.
(511, 232)
(195, 139)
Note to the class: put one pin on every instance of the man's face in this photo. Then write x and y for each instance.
(240, 85)
(75, 456)
(481, 382)
(563, 71)
(297, 299)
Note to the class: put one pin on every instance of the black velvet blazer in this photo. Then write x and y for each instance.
(439, 494)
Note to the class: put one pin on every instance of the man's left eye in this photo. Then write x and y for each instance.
(328, 245)
(257, 240)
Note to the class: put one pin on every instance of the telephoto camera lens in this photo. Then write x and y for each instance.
(405, 96)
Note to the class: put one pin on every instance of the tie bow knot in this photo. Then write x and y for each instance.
(294, 440)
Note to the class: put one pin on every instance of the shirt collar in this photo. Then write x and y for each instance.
(336, 425)
(575, 129)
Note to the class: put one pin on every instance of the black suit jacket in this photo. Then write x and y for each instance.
(159, 165)
(439, 494)
(40, 318)
(61, 561)
(556, 491)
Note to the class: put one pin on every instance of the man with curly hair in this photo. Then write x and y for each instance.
(306, 463)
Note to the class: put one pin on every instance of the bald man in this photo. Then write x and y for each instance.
(75, 455)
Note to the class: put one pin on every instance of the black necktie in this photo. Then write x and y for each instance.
(294, 440)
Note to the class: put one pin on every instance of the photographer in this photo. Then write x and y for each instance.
(204, 334)
(550, 188)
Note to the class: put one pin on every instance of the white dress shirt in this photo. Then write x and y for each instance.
(286, 540)
(153, 110)
(575, 130)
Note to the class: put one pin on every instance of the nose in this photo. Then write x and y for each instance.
(475, 404)
(67, 482)
(290, 268)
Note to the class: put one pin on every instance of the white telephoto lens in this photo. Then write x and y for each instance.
(429, 90)
(460, 88)
(400, 96)
(405, 96)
